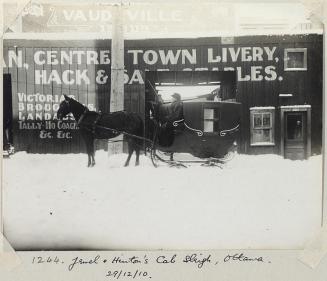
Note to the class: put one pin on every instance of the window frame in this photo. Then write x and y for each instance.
(212, 120)
(295, 50)
(271, 127)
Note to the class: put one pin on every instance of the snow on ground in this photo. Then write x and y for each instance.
(56, 202)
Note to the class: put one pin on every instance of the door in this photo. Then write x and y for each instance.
(295, 146)
(7, 112)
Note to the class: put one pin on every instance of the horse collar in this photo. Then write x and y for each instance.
(82, 116)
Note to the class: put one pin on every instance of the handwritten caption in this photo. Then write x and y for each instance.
(115, 267)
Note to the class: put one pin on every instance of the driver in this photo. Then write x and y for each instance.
(175, 113)
(175, 110)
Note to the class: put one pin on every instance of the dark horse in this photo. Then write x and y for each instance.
(94, 125)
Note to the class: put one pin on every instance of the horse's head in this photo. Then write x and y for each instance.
(64, 108)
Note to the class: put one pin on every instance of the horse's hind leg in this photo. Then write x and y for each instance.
(92, 159)
(89, 161)
(89, 157)
(92, 154)
(130, 152)
(137, 161)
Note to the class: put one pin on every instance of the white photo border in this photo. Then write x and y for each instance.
(290, 255)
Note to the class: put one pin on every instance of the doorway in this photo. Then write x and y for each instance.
(7, 112)
(191, 86)
(296, 132)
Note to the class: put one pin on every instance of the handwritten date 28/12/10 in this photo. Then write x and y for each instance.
(129, 274)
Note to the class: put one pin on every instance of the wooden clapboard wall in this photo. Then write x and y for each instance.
(305, 86)
(23, 82)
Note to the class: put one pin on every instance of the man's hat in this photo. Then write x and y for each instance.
(176, 96)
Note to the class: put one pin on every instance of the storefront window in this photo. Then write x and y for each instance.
(262, 129)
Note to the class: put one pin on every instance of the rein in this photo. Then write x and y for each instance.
(115, 131)
(118, 132)
(123, 133)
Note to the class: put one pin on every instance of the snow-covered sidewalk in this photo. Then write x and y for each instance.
(56, 202)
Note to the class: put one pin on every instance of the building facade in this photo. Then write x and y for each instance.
(277, 79)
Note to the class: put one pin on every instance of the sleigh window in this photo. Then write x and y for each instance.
(262, 125)
(210, 120)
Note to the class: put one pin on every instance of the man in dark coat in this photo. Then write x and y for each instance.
(175, 111)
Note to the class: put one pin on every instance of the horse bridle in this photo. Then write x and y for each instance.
(83, 114)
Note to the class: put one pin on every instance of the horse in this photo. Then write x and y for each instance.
(94, 125)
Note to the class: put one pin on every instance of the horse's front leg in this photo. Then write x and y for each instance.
(89, 140)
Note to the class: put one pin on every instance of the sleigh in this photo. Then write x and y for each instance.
(208, 132)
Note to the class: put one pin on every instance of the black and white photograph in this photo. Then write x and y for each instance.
(162, 125)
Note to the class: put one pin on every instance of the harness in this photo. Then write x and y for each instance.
(82, 116)
(115, 131)
(94, 124)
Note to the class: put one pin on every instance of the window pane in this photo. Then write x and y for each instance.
(208, 113)
(266, 120)
(263, 135)
(257, 136)
(266, 135)
(208, 126)
(295, 59)
(257, 120)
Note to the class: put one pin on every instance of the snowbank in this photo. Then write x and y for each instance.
(56, 202)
